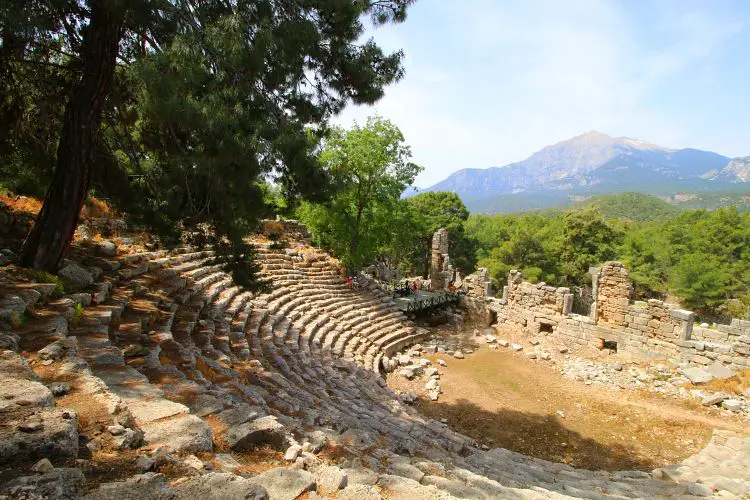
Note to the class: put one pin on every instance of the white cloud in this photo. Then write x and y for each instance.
(491, 82)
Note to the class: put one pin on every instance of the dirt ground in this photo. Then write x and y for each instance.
(503, 399)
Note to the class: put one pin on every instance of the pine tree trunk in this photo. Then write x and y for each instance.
(54, 226)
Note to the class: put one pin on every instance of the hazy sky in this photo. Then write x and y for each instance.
(489, 82)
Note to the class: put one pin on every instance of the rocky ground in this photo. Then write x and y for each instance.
(715, 385)
(590, 409)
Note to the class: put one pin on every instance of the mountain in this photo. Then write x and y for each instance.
(736, 171)
(594, 163)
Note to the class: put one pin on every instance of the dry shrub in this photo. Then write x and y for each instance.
(21, 204)
(218, 430)
(273, 228)
(258, 460)
(95, 208)
(733, 385)
(334, 452)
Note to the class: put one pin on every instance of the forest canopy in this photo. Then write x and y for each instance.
(698, 256)
(178, 111)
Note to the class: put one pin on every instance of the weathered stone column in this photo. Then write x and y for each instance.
(686, 322)
(613, 292)
(439, 257)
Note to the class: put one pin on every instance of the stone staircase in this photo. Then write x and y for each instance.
(186, 359)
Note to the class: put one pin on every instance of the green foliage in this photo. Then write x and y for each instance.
(528, 243)
(77, 314)
(17, 320)
(587, 240)
(700, 280)
(698, 256)
(426, 213)
(44, 277)
(369, 167)
(641, 252)
(632, 206)
(208, 101)
(739, 307)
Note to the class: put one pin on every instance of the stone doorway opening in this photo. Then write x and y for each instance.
(609, 344)
(545, 327)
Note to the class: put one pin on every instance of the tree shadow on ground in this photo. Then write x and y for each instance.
(539, 436)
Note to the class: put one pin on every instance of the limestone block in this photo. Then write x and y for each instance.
(682, 314)
(719, 371)
(73, 274)
(222, 486)
(63, 484)
(180, 433)
(43, 432)
(697, 375)
(265, 430)
(284, 484)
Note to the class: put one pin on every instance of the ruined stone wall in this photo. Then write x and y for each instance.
(723, 333)
(612, 292)
(532, 307)
(477, 285)
(644, 330)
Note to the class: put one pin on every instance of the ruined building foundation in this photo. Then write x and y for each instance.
(643, 330)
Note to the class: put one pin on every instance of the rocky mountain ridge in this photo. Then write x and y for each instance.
(597, 163)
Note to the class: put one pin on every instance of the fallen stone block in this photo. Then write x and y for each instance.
(265, 430)
(60, 484)
(152, 486)
(17, 393)
(221, 486)
(180, 433)
(713, 399)
(38, 433)
(719, 371)
(359, 492)
(292, 452)
(697, 375)
(330, 479)
(75, 275)
(732, 404)
(285, 484)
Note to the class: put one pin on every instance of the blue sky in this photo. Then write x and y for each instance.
(488, 82)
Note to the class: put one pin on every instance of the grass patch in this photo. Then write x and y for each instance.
(77, 315)
(733, 385)
(17, 320)
(44, 277)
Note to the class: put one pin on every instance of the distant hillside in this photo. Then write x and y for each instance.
(594, 164)
(711, 200)
(632, 206)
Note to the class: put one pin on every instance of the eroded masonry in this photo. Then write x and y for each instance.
(644, 330)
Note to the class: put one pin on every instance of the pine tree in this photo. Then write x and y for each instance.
(178, 110)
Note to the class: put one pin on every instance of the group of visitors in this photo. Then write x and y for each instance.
(352, 282)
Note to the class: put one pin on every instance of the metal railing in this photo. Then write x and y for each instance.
(435, 302)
